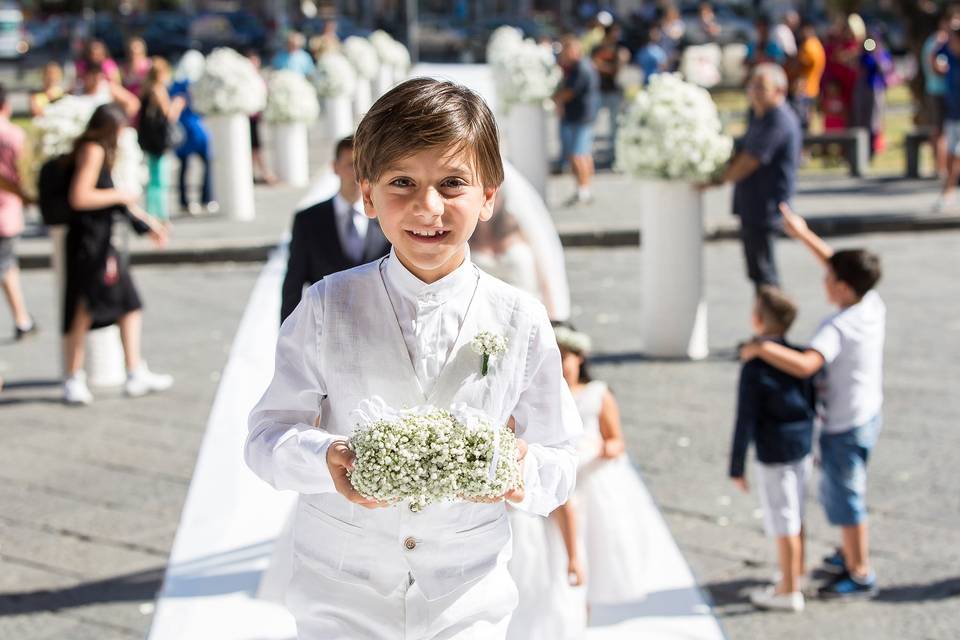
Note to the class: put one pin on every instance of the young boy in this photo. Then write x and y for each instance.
(849, 346)
(400, 328)
(776, 411)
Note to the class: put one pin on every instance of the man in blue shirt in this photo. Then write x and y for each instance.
(947, 63)
(764, 170)
(579, 100)
(294, 58)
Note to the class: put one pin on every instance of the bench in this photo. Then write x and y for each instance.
(854, 142)
(911, 147)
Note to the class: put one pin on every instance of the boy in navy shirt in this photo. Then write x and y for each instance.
(776, 411)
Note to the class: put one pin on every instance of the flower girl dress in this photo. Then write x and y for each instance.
(611, 526)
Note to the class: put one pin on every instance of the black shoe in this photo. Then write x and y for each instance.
(834, 564)
(847, 587)
(20, 334)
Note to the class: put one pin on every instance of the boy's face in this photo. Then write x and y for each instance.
(428, 205)
(838, 292)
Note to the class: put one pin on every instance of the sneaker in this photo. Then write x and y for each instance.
(142, 381)
(942, 204)
(76, 391)
(769, 599)
(846, 587)
(20, 333)
(213, 207)
(834, 564)
(194, 209)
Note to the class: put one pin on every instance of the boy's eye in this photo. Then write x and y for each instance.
(401, 182)
(454, 183)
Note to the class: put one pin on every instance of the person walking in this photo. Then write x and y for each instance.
(136, 67)
(608, 58)
(196, 140)
(578, 99)
(157, 113)
(99, 290)
(294, 57)
(12, 141)
(810, 64)
(764, 170)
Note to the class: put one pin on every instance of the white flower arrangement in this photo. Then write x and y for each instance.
(488, 345)
(362, 55)
(62, 122)
(529, 75)
(503, 41)
(427, 455)
(290, 98)
(230, 85)
(671, 130)
(390, 52)
(334, 76)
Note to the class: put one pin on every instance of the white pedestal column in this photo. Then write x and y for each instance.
(232, 165)
(290, 160)
(674, 314)
(104, 359)
(527, 144)
(386, 78)
(362, 98)
(339, 114)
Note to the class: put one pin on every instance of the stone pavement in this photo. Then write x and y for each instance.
(91, 497)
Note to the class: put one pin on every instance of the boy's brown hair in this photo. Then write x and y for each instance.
(424, 113)
(775, 308)
(859, 268)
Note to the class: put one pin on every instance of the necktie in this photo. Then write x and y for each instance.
(354, 243)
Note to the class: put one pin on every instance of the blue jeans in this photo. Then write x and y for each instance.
(843, 472)
(576, 139)
(205, 193)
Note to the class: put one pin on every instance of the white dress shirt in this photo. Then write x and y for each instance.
(346, 213)
(429, 315)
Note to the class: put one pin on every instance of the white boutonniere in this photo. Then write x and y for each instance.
(486, 345)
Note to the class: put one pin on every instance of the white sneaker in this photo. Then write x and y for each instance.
(213, 207)
(75, 389)
(769, 599)
(943, 204)
(142, 381)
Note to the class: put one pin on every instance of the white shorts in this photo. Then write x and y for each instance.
(783, 492)
(951, 133)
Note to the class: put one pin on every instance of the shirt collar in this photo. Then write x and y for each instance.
(341, 207)
(413, 288)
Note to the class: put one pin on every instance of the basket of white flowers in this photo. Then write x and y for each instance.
(363, 56)
(426, 455)
(394, 61)
(670, 138)
(336, 81)
(291, 107)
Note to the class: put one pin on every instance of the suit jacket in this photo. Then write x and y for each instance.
(316, 252)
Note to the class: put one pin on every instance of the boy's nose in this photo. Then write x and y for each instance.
(430, 205)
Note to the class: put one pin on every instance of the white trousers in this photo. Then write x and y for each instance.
(327, 609)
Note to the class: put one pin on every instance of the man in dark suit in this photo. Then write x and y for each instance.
(331, 236)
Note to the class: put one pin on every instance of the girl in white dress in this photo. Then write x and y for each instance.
(608, 489)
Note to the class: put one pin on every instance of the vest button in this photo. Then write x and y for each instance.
(410, 543)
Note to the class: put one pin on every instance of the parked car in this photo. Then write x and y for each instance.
(237, 29)
(439, 39)
(167, 33)
(13, 35)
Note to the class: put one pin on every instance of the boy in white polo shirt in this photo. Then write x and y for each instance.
(849, 347)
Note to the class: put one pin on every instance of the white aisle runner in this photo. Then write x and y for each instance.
(231, 519)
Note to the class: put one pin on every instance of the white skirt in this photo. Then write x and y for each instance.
(549, 608)
(607, 494)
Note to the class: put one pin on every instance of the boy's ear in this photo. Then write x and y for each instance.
(366, 191)
(489, 200)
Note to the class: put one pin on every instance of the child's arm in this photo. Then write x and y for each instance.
(610, 431)
(799, 364)
(548, 420)
(796, 227)
(748, 402)
(284, 447)
(566, 518)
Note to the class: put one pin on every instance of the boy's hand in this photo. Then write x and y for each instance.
(749, 351)
(794, 225)
(741, 483)
(340, 460)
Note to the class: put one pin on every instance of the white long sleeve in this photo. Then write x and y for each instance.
(283, 446)
(548, 420)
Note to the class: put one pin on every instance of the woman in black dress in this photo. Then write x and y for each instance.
(99, 290)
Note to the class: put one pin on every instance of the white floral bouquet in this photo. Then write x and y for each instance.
(334, 76)
(671, 130)
(426, 455)
(503, 41)
(230, 85)
(390, 52)
(529, 75)
(53, 134)
(290, 98)
(362, 55)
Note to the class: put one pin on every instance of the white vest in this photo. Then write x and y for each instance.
(445, 546)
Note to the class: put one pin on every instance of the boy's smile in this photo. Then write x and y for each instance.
(428, 205)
